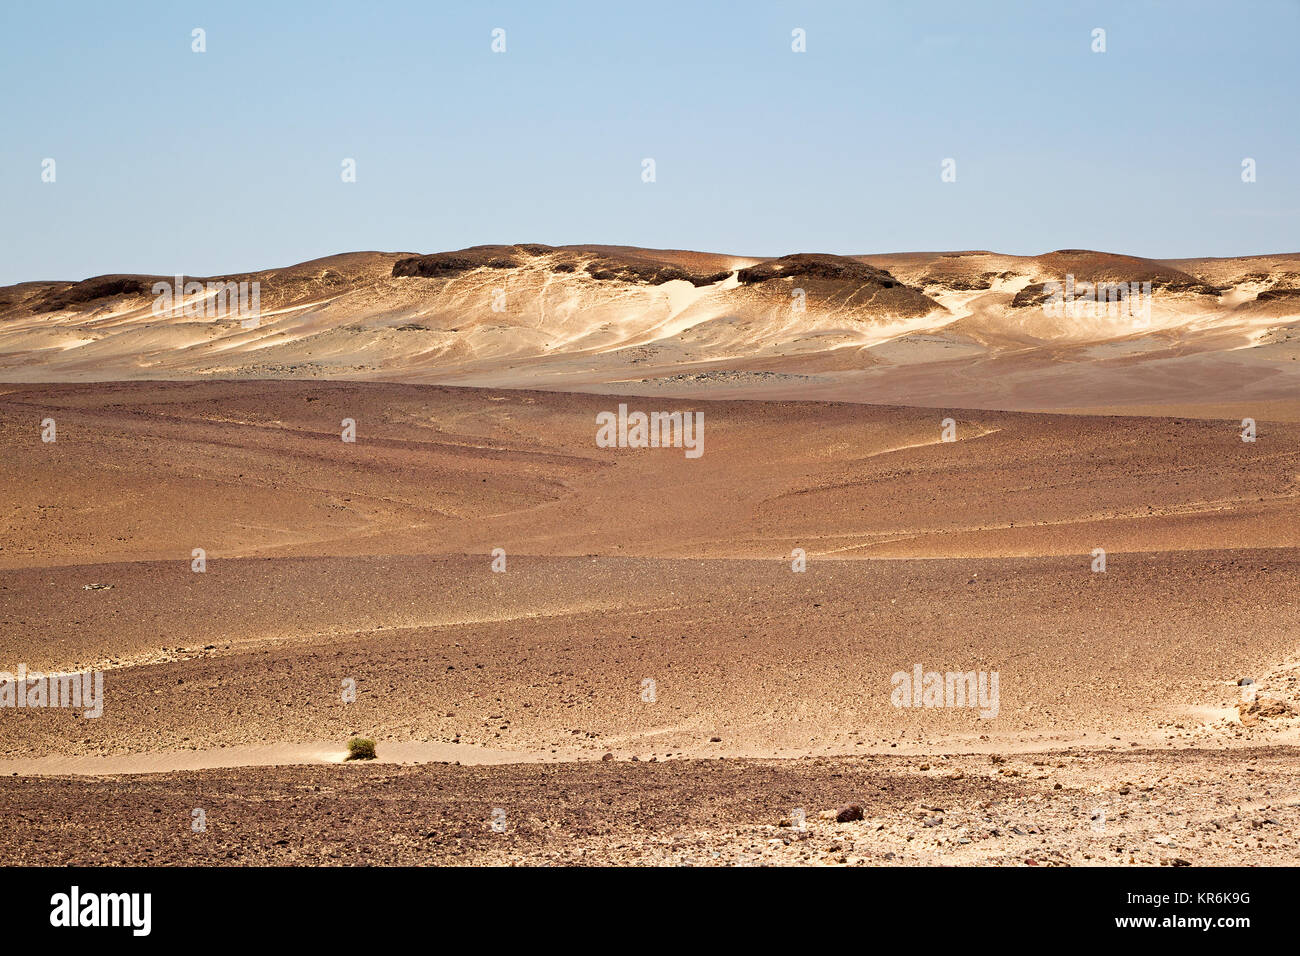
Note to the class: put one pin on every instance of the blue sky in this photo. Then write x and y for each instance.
(173, 161)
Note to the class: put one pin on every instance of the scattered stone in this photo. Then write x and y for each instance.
(1263, 707)
(848, 813)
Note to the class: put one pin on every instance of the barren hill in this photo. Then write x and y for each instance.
(969, 328)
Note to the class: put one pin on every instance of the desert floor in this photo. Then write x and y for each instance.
(649, 680)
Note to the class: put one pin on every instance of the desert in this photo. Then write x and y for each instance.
(538, 466)
(385, 511)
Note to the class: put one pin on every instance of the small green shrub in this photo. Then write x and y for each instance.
(361, 748)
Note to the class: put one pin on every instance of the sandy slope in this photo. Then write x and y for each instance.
(259, 470)
(371, 561)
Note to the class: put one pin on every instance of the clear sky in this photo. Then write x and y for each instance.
(173, 161)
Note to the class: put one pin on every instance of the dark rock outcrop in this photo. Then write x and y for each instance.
(88, 290)
(445, 264)
(642, 271)
(839, 277)
(647, 272)
(1031, 295)
(1278, 295)
(815, 265)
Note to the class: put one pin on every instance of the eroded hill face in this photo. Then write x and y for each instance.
(1071, 328)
